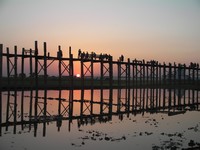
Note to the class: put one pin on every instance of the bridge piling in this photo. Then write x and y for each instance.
(1, 68)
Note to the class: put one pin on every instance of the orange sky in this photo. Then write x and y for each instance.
(161, 30)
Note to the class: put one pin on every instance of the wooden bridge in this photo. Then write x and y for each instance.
(113, 74)
(141, 86)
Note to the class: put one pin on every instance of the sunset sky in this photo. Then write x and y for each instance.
(163, 30)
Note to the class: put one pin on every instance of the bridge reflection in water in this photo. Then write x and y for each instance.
(30, 108)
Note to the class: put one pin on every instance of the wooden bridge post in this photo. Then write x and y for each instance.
(193, 73)
(179, 68)
(193, 65)
(36, 65)
(92, 85)
(147, 98)
(197, 73)
(59, 120)
(143, 100)
(1, 64)
(136, 74)
(22, 83)
(22, 69)
(189, 73)
(15, 92)
(189, 97)
(144, 83)
(151, 74)
(71, 69)
(71, 104)
(30, 107)
(157, 77)
(147, 83)
(184, 78)
(157, 73)
(1, 68)
(144, 72)
(164, 74)
(22, 107)
(59, 80)
(184, 74)
(71, 92)
(82, 86)
(59, 66)
(193, 97)
(101, 82)
(147, 73)
(0, 112)
(119, 86)
(160, 83)
(174, 75)
(133, 85)
(36, 83)
(128, 84)
(170, 73)
(160, 74)
(59, 103)
(175, 82)
(111, 84)
(136, 84)
(15, 110)
(164, 97)
(170, 99)
(15, 66)
(140, 72)
(179, 71)
(45, 65)
(8, 67)
(197, 97)
(7, 108)
(32, 75)
(170, 81)
(45, 85)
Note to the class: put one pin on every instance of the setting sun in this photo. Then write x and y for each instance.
(78, 75)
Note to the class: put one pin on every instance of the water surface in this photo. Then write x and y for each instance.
(100, 119)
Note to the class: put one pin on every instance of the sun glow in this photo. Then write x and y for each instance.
(78, 75)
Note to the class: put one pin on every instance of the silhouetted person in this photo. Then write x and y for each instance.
(87, 55)
(95, 56)
(59, 53)
(122, 58)
(79, 53)
(82, 55)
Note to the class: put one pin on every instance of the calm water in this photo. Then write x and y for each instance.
(118, 119)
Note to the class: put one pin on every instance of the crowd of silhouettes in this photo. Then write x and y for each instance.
(194, 65)
(153, 62)
(93, 55)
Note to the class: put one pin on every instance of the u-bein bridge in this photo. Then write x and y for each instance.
(129, 74)
(29, 109)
